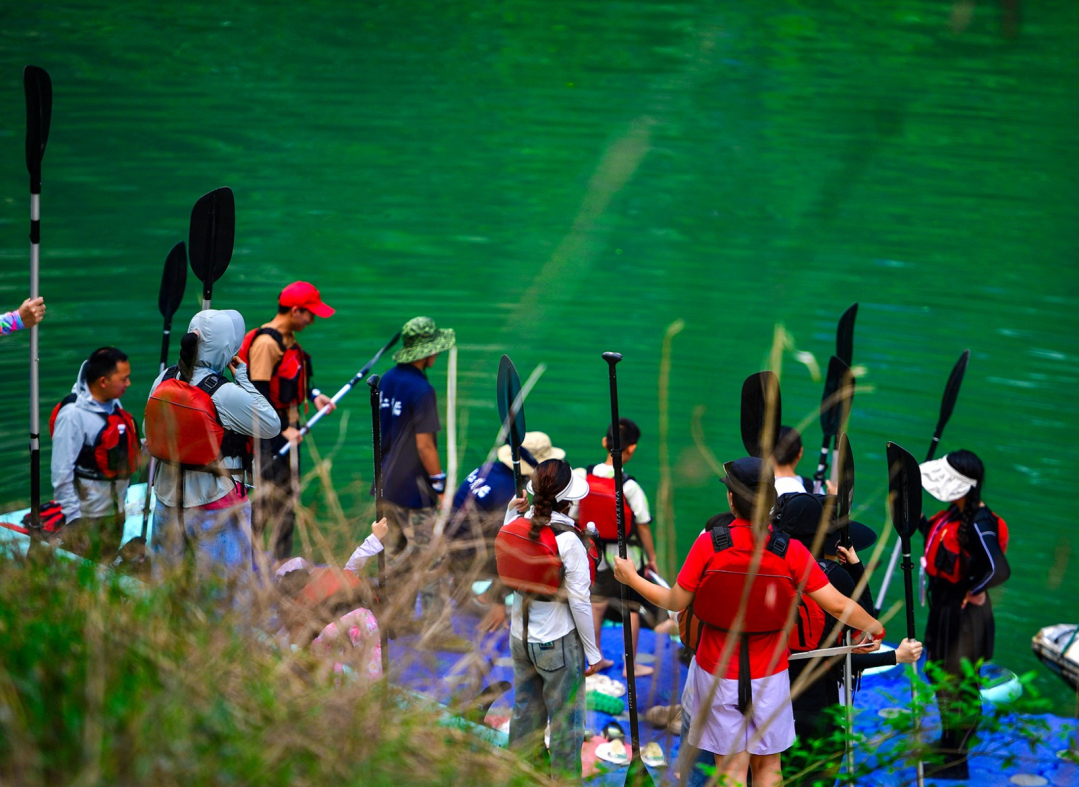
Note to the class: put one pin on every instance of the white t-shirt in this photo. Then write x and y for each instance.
(638, 504)
(551, 620)
(787, 484)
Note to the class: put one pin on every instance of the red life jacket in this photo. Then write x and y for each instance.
(533, 566)
(773, 591)
(808, 627)
(114, 453)
(598, 507)
(182, 425)
(291, 375)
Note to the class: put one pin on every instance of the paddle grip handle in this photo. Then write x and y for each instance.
(908, 587)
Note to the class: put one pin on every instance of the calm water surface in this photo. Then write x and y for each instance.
(554, 180)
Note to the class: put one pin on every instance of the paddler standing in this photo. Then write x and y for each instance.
(964, 558)
(412, 477)
(281, 371)
(95, 450)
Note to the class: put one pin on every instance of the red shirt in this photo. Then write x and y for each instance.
(763, 648)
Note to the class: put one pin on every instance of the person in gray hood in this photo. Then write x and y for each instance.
(89, 484)
(207, 509)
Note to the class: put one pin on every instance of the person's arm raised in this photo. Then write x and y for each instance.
(674, 598)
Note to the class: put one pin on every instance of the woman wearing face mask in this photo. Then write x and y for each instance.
(964, 558)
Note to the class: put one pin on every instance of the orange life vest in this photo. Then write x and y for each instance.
(291, 375)
(114, 453)
(182, 425)
(598, 507)
(773, 591)
(533, 565)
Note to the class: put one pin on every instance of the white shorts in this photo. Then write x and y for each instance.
(721, 727)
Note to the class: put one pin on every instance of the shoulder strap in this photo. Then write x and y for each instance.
(778, 543)
(211, 383)
(172, 373)
(721, 537)
(272, 332)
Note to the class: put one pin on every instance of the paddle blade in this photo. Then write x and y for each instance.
(508, 388)
(213, 230)
(844, 335)
(760, 399)
(836, 399)
(904, 491)
(173, 282)
(638, 775)
(38, 87)
(845, 465)
(951, 390)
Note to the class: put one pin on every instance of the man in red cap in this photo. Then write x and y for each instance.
(281, 371)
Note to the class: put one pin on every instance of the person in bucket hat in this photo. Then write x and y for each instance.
(412, 477)
(281, 371)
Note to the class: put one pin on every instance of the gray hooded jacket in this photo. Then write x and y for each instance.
(240, 408)
(78, 425)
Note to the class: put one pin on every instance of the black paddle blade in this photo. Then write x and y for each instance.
(508, 387)
(38, 87)
(845, 465)
(951, 390)
(213, 230)
(760, 391)
(904, 491)
(638, 775)
(835, 401)
(844, 335)
(173, 282)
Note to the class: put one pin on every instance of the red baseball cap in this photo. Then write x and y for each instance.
(304, 296)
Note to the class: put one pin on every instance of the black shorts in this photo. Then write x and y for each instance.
(607, 588)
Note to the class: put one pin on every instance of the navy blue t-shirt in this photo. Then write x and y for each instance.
(407, 407)
(490, 488)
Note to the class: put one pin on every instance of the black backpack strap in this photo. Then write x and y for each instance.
(211, 383)
(275, 334)
(721, 538)
(745, 682)
(172, 373)
(778, 543)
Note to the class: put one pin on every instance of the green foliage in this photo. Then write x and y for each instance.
(104, 681)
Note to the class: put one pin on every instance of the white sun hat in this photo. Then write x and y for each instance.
(576, 489)
(944, 482)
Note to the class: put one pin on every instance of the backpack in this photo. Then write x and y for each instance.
(182, 425)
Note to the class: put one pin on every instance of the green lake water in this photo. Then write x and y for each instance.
(557, 179)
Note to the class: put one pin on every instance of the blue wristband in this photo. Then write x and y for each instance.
(437, 482)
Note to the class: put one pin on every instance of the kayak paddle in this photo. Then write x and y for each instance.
(169, 298)
(845, 492)
(638, 774)
(376, 442)
(905, 506)
(947, 405)
(337, 397)
(761, 401)
(512, 414)
(834, 411)
(844, 335)
(213, 230)
(38, 87)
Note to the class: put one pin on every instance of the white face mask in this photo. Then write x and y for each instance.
(944, 482)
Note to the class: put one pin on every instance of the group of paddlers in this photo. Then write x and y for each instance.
(774, 572)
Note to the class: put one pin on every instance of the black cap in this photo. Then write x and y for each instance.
(799, 514)
(747, 475)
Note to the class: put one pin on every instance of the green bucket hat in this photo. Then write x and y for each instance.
(422, 339)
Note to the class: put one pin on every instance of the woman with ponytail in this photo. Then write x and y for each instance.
(553, 639)
(964, 558)
(198, 426)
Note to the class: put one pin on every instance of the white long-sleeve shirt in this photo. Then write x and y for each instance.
(552, 620)
(370, 547)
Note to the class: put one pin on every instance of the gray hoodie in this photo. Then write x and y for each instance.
(240, 408)
(78, 425)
